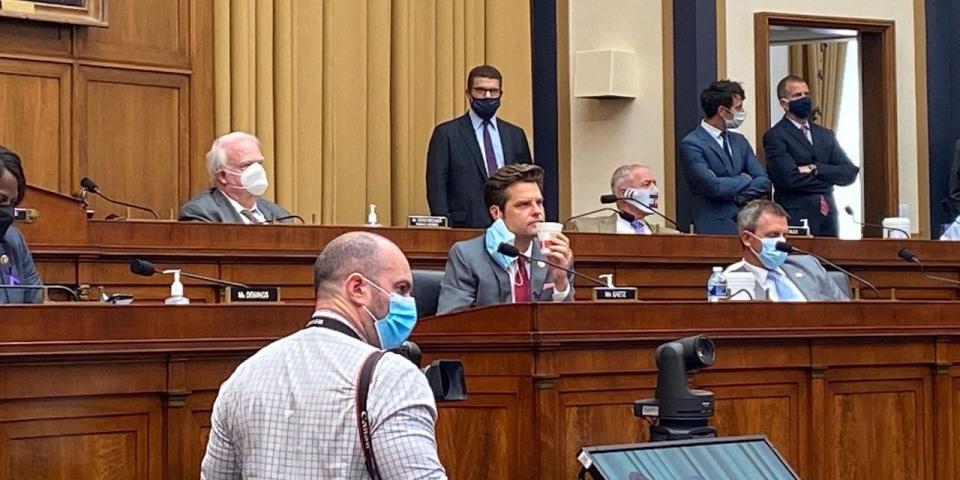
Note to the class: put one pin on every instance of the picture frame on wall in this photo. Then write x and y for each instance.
(91, 13)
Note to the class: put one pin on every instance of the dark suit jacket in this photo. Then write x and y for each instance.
(719, 190)
(955, 180)
(786, 148)
(212, 206)
(18, 255)
(473, 279)
(456, 171)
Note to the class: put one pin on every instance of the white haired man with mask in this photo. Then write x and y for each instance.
(235, 166)
(290, 410)
(638, 184)
(761, 224)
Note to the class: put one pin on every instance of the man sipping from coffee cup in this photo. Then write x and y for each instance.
(477, 274)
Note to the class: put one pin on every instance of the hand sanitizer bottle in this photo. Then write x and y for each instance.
(372, 220)
(176, 290)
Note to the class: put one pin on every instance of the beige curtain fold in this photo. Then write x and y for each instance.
(345, 93)
(822, 66)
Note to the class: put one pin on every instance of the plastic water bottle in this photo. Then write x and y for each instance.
(717, 286)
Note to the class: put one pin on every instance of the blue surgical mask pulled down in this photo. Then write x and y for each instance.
(769, 256)
(496, 234)
(397, 325)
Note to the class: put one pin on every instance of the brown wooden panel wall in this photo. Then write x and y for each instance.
(130, 105)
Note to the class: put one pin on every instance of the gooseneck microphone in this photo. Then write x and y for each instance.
(788, 248)
(147, 269)
(625, 215)
(610, 198)
(849, 211)
(910, 257)
(511, 251)
(88, 185)
(288, 217)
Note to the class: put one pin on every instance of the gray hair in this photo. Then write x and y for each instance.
(622, 173)
(352, 252)
(750, 214)
(217, 156)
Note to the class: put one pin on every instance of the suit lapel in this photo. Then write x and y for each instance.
(801, 279)
(798, 135)
(504, 284)
(608, 224)
(506, 143)
(538, 274)
(717, 150)
(226, 210)
(268, 215)
(469, 138)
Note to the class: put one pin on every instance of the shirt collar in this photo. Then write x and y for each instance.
(713, 131)
(478, 122)
(798, 124)
(236, 205)
(759, 272)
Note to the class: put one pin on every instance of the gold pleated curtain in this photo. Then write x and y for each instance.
(822, 66)
(344, 94)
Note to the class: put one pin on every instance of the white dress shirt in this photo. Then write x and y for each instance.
(494, 136)
(624, 226)
(512, 272)
(240, 208)
(763, 278)
(289, 411)
(713, 131)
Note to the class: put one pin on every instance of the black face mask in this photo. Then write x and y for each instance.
(6, 219)
(485, 108)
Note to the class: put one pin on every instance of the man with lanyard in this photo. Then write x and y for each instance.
(290, 410)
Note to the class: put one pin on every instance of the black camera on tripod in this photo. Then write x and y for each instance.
(445, 377)
(678, 412)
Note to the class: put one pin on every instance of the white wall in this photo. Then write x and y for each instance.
(608, 133)
(740, 66)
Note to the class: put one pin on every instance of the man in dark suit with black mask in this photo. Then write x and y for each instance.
(465, 151)
(805, 161)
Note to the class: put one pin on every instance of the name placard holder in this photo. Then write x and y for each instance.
(252, 294)
(615, 294)
(427, 221)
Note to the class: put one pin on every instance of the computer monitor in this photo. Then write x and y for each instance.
(723, 458)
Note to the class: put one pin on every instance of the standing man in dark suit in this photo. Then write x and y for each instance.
(235, 166)
(805, 161)
(719, 165)
(466, 150)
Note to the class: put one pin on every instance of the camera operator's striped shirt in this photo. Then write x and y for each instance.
(289, 412)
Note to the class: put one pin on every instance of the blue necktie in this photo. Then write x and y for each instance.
(488, 151)
(784, 292)
(638, 227)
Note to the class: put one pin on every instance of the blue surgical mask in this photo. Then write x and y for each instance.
(801, 107)
(485, 108)
(643, 198)
(769, 256)
(397, 325)
(495, 235)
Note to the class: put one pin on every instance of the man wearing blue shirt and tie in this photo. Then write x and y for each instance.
(465, 151)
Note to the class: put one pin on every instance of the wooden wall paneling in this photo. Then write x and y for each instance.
(489, 434)
(879, 423)
(201, 95)
(133, 137)
(105, 437)
(196, 432)
(36, 106)
(21, 37)
(944, 440)
(600, 414)
(141, 32)
(772, 403)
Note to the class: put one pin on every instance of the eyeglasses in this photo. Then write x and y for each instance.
(480, 92)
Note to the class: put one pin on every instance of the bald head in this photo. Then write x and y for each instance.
(355, 252)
